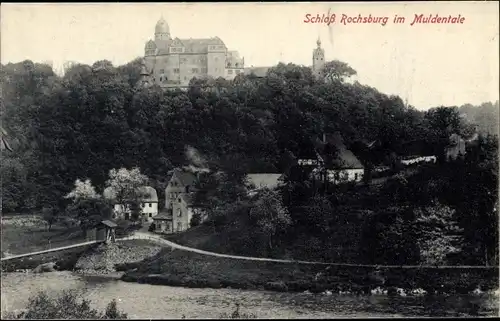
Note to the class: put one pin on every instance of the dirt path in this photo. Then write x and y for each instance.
(156, 237)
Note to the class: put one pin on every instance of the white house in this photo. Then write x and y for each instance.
(260, 181)
(334, 160)
(149, 203)
(418, 159)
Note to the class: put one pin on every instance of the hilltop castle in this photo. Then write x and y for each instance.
(173, 62)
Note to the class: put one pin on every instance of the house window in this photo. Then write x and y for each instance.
(151, 204)
(356, 176)
(204, 69)
(150, 214)
(238, 71)
(230, 71)
(195, 70)
(236, 65)
(179, 200)
(162, 71)
(161, 78)
(179, 226)
(176, 70)
(179, 213)
(187, 188)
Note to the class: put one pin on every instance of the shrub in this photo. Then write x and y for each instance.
(68, 305)
(237, 315)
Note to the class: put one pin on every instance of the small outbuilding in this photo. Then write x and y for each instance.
(106, 231)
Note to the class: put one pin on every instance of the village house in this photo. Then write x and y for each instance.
(410, 160)
(179, 208)
(148, 203)
(259, 181)
(330, 160)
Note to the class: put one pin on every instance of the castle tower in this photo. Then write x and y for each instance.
(318, 59)
(162, 30)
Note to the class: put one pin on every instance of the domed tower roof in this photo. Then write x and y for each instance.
(318, 42)
(162, 26)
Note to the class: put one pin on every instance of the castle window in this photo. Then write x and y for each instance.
(236, 65)
(204, 70)
(162, 71)
(230, 71)
(195, 70)
(161, 78)
(176, 70)
(238, 71)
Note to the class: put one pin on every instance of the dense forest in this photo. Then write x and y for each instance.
(92, 120)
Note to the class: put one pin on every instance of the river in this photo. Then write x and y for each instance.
(164, 302)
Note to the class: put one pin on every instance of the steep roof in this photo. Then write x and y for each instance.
(191, 45)
(149, 194)
(343, 158)
(164, 214)
(187, 198)
(185, 177)
(257, 71)
(269, 180)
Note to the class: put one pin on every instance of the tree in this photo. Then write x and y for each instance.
(127, 188)
(89, 212)
(50, 215)
(83, 190)
(337, 71)
(439, 234)
(270, 215)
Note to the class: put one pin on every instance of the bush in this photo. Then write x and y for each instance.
(152, 227)
(237, 315)
(68, 305)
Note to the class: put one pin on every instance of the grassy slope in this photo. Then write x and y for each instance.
(20, 237)
(181, 268)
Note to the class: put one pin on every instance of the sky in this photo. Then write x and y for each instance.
(428, 64)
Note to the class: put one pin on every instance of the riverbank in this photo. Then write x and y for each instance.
(187, 269)
(93, 259)
(145, 301)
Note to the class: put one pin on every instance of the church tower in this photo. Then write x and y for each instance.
(162, 30)
(318, 59)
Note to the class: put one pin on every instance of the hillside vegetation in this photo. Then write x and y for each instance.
(90, 121)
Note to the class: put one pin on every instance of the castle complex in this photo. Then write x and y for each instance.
(173, 62)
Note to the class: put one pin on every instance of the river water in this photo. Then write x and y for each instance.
(155, 301)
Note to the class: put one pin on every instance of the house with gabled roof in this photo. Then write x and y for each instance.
(331, 160)
(179, 208)
(148, 203)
